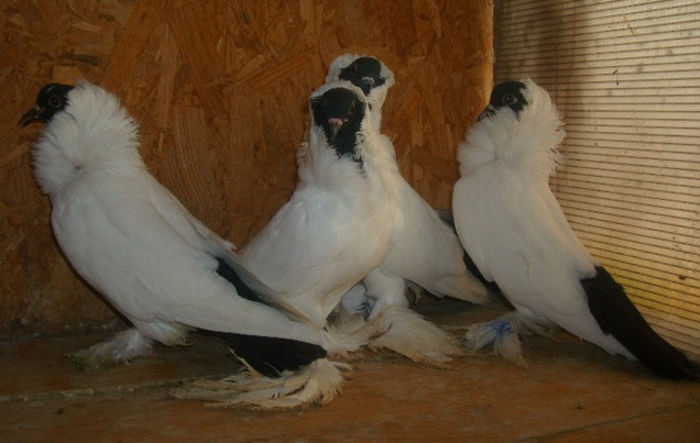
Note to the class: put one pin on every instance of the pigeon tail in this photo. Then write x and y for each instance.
(617, 315)
(270, 356)
(316, 384)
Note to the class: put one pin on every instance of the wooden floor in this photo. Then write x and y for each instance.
(570, 392)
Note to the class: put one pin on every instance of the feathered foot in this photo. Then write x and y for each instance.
(121, 348)
(316, 384)
(504, 332)
(413, 293)
(408, 334)
(355, 301)
(348, 332)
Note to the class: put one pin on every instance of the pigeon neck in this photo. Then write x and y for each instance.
(94, 134)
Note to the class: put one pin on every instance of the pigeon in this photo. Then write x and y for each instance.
(368, 74)
(514, 229)
(157, 264)
(425, 252)
(340, 220)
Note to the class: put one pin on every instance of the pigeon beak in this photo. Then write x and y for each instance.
(367, 84)
(335, 123)
(486, 113)
(31, 115)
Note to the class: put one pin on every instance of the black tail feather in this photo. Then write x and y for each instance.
(616, 315)
(270, 356)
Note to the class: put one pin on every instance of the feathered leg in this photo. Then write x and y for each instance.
(504, 332)
(416, 338)
(407, 333)
(121, 348)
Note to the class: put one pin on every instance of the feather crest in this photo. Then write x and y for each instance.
(92, 119)
(525, 143)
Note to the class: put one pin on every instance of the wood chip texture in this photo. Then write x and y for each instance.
(220, 89)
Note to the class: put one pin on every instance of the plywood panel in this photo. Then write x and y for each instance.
(220, 89)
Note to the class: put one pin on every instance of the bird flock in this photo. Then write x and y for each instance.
(330, 272)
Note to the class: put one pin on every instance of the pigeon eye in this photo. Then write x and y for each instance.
(508, 99)
(55, 101)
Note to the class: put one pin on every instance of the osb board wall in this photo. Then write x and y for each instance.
(220, 89)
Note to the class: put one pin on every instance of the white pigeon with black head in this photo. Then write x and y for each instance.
(340, 220)
(166, 272)
(373, 77)
(514, 229)
(425, 252)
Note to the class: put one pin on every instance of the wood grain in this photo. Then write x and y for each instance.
(220, 89)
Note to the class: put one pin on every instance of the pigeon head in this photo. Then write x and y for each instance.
(364, 72)
(51, 99)
(339, 112)
(506, 94)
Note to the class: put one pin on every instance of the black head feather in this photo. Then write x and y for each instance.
(364, 72)
(51, 99)
(339, 112)
(506, 94)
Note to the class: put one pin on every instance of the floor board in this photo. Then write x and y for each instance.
(571, 391)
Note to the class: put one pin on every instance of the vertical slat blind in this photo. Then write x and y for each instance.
(626, 76)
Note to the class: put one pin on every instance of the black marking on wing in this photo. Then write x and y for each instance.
(225, 271)
(270, 356)
(616, 315)
(474, 270)
(447, 218)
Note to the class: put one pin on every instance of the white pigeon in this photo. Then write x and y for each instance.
(340, 220)
(368, 74)
(133, 241)
(512, 226)
(425, 251)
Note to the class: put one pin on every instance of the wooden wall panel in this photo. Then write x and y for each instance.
(220, 89)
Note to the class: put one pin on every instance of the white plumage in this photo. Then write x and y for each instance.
(339, 222)
(132, 240)
(513, 228)
(425, 250)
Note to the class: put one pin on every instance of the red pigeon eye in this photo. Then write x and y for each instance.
(55, 101)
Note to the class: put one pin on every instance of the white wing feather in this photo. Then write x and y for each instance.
(199, 236)
(512, 237)
(427, 252)
(511, 224)
(152, 269)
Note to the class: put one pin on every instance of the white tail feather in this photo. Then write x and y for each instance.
(316, 384)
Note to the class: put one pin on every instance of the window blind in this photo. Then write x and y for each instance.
(625, 75)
